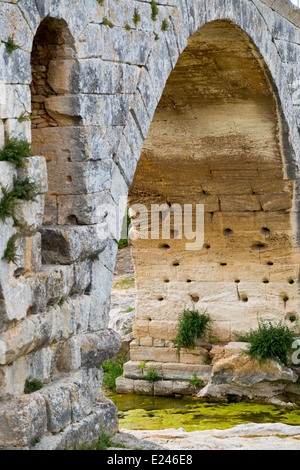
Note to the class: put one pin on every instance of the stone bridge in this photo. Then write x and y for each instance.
(174, 102)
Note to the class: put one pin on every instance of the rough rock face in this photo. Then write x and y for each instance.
(91, 91)
(241, 376)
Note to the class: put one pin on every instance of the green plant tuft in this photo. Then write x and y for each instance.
(24, 117)
(127, 27)
(153, 375)
(164, 25)
(154, 10)
(195, 381)
(112, 370)
(107, 22)
(23, 190)
(32, 386)
(191, 326)
(103, 443)
(14, 151)
(10, 45)
(10, 254)
(156, 37)
(125, 283)
(136, 17)
(269, 341)
(101, 2)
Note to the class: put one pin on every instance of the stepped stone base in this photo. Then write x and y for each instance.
(174, 378)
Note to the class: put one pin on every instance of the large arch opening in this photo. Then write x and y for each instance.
(216, 139)
(54, 119)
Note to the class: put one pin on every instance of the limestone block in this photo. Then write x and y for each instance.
(163, 329)
(275, 202)
(81, 401)
(79, 178)
(132, 370)
(182, 371)
(50, 285)
(102, 279)
(35, 169)
(87, 208)
(61, 74)
(163, 388)
(65, 245)
(141, 328)
(142, 387)
(241, 376)
(102, 110)
(15, 101)
(70, 356)
(22, 421)
(81, 276)
(154, 354)
(7, 173)
(30, 213)
(126, 46)
(234, 348)
(81, 306)
(124, 385)
(98, 347)
(58, 407)
(16, 295)
(182, 388)
(19, 130)
(108, 77)
(146, 341)
(79, 144)
(194, 358)
(17, 340)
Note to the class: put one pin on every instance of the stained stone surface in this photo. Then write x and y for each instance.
(85, 94)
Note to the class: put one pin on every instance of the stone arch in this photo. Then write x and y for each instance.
(217, 136)
(54, 80)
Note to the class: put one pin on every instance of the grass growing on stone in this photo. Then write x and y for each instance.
(104, 442)
(10, 253)
(23, 190)
(153, 375)
(136, 17)
(191, 326)
(195, 381)
(15, 150)
(154, 10)
(32, 386)
(112, 370)
(164, 25)
(128, 310)
(11, 46)
(125, 283)
(269, 341)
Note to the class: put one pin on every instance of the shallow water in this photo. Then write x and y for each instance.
(147, 412)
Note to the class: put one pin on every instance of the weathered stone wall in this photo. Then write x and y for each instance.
(92, 79)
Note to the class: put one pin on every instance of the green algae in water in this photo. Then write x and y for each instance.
(154, 413)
